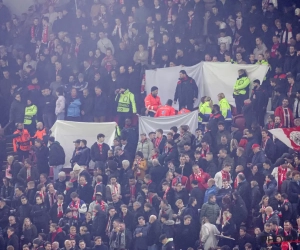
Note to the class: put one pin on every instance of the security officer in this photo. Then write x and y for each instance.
(225, 109)
(125, 105)
(186, 91)
(241, 90)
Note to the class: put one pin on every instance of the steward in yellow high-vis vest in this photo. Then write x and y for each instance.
(125, 105)
(241, 90)
(205, 110)
(30, 117)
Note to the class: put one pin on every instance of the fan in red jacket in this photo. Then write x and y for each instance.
(166, 110)
(285, 114)
(179, 178)
(183, 111)
(200, 176)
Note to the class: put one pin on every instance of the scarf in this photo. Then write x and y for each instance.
(235, 185)
(102, 205)
(45, 34)
(95, 189)
(76, 49)
(165, 193)
(42, 195)
(148, 183)
(281, 176)
(203, 152)
(28, 177)
(60, 211)
(75, 204)
(132, 192)
(157, 142)
(114, 189)
(225, 175)
(52, 198)
(7, 172)
(264, 142)
(108, 226)
(100, 146)
(138, 171)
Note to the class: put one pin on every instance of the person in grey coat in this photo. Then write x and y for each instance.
(208, 234)
(186, 137)
(210, 210)
(140, 235)
(166, 209)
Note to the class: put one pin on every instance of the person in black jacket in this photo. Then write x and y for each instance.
(100, 105)
(99, 150)
(84, 154)
(86, 107)
(167, 243)
(17, 110)
(24, 210)
(294, 193)
(47, 107)
(186, 91)
(56, 156)
(244, 189)
(4, 213)
(154, 232)
(255, 195)
(28, 173)
(99, 222)
(85, 190)
(56, 234)
(13, 239)
(41, 153)
(244, 238)
(40, 216)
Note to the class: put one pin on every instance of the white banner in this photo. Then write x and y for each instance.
(151, 124)
(66, 132)
(211, 78)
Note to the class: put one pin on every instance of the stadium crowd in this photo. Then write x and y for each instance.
(219, 187)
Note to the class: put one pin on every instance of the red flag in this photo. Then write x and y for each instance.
(289, 136)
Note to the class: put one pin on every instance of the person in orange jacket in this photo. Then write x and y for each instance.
(166, 110)
(183, 111)
(22, 144)
(41, 132)
(152, 102)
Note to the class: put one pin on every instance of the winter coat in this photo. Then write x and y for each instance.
(186, 90)
(85, 193)
(42, 159)
(185, 138)
(74, 107)
(270, 188)
(99, 224)
(294, 191)
(244, 190)
(4, 214)
(14, 170)
(145, 147)
(60, 105)
(100, 105)
(154, 232)
(22, 175)
(95, 152)
(87, 105)
(39, 214)
(167, 228)
(189, 233)
(210, 191)
(84, 156)
(273, 218)
(13, 241)
(17, 112)
(255, 197)
(239, 211)
(211, 211)
(141, 242)
(258, 159)
(56, 154)
(208, 237)
(29, 234)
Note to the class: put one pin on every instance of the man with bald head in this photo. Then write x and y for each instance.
(271, 216)
(40, 132)
(153, 233)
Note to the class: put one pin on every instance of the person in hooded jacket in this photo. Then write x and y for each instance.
(210, 210)
(73, 104)
(167, 226)
(167, 243)
(270, 186)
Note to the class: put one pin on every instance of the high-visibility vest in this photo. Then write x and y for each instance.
(23, 141)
